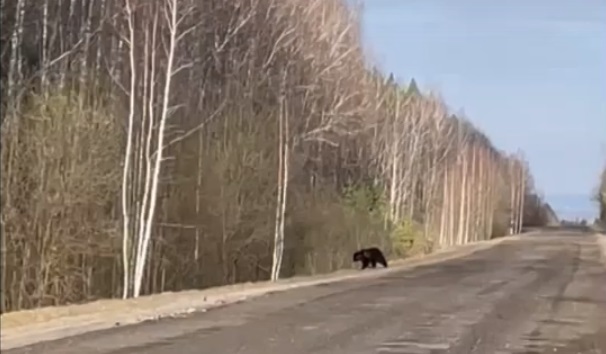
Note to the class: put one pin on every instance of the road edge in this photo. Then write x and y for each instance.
(146, 308)
(601, 239)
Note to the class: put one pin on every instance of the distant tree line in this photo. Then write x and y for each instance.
(601, 197)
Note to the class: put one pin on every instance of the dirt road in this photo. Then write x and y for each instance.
(545, 293)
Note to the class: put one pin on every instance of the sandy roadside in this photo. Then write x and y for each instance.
(601, 239)
(32, 326)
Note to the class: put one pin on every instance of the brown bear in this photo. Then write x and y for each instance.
(371, 256)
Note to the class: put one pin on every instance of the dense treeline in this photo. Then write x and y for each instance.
(163, 145)
(601, 197)
(538, 213)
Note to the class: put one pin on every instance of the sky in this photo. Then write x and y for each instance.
(530, 74)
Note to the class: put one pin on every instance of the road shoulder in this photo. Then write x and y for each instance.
(601, 239)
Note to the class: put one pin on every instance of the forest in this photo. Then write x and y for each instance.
(601, 198)
(163, 145)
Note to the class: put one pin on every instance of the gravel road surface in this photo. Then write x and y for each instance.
(545, 293)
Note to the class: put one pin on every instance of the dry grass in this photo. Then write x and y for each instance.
(30, 326)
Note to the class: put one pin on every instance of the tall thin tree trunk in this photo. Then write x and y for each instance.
(283, 152)
(462, 201)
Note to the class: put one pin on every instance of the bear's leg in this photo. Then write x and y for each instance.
(364, 263)
(373, 263)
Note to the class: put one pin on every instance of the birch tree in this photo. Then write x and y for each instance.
(283, 166)
(602, 196)
(158, 20)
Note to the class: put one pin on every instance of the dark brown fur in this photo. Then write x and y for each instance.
(370, 256)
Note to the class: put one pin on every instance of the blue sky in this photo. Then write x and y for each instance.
(538, 65)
